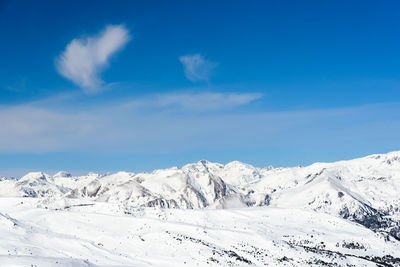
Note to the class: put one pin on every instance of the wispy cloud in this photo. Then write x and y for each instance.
(84, 58)
(197, 68)
(121, 127)
(207, 101)
(27, 123)
(197, 102)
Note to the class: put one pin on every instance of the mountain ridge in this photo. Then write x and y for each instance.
(363, 190)
(344, 213)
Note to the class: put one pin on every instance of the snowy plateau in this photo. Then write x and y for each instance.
(344, 213)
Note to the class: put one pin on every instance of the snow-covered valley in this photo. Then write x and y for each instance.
(344, 213)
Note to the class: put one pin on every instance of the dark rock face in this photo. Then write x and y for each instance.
(377, 221)
(162, 203)
(267, 200)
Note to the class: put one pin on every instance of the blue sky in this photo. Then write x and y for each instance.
(140, 85)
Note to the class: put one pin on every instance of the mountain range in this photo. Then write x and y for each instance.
(364, 192)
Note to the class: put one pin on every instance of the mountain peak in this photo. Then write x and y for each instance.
(36, 176)
(62, 174)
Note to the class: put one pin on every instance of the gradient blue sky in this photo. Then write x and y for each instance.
(278, 83)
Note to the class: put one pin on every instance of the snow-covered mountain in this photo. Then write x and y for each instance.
(364, 191)
(351, 189)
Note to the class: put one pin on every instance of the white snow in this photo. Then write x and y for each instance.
(346, 212)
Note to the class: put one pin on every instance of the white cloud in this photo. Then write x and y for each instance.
(205, 101)
(121, 127)
(45, 127)
(197, 68)
(83, 59)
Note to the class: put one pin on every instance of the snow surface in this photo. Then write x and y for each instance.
(338, 214)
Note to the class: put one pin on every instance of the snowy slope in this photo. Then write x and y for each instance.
(355, 198)
(99, 235)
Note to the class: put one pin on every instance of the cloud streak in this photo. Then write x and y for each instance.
(121, 127)
(207, 101)
(85, 58)
(197, 68)
(196, 102)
